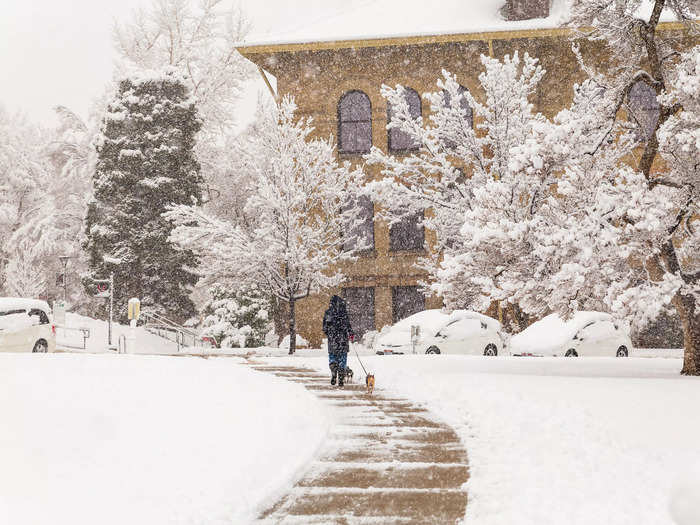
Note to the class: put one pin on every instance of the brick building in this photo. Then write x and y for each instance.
(337, 82)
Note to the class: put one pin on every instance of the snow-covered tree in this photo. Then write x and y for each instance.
(200, 39)
(237, 318)
(145, 163)
(71, 156)
(503, 194)
(524, 214)
(27, 230)
(25, 277)
(642, 59)
(289, 238)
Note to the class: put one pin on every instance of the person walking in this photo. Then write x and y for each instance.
(336, 326)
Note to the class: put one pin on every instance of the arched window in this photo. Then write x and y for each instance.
(400, 140)
(464, 105)
(644, 109)
(354, 123)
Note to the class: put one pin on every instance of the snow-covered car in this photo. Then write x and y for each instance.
(25, 326)
(585, 334)
(461, 332)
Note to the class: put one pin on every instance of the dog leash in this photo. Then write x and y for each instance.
(358, 358)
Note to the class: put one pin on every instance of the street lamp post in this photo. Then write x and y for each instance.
(64, 259)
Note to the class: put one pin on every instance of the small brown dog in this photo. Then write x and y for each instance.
(369, 381)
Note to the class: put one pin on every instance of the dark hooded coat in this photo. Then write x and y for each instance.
(336, 326)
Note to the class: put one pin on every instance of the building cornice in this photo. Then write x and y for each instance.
(267, 49)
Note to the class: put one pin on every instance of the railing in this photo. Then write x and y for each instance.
(170, 330)
(64, 339)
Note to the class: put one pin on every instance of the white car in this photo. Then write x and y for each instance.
(461, 332)
(25, 326)
(585, 334)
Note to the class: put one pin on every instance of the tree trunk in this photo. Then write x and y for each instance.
(292, 328)
(514, 319)
(689, 311)
(279, 318)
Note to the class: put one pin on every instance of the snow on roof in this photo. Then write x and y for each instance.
(469, 314)
(551, 332)
(20, 303)
(428, 320)
(399, 18)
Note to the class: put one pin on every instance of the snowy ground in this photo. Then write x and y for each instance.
(117, 439)
(551, 441)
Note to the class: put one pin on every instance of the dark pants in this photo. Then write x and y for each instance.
(338, 362)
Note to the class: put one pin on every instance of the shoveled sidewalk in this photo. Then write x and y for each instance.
(387, 461)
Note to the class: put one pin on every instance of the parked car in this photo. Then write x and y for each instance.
(585, 334)
(461, 332)
(25, 326)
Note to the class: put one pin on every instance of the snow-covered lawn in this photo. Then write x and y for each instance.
(555, 440)
(121, 439)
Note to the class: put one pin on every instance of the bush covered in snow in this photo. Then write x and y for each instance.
(370, 337)
(236, 318)
(300, 342)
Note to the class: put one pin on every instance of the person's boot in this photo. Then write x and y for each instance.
(341, 377)
(334, 372)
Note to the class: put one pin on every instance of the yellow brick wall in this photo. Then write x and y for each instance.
(317, 78)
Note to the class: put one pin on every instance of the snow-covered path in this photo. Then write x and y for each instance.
(388, 460)
(555, 440)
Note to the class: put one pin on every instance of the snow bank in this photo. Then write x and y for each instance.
(553, 440)
(685, 497)
(117, 439)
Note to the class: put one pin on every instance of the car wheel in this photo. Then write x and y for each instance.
(622, 352)
(40, 347)
(491, 350)
(571, 353)
(433, 350)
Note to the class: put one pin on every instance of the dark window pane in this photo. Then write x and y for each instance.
(348, 136)
(355, 123)
(464, 104)
(644, 108)
(355, 106)
(399, 140)
(363, 136)
(360, 302)
(406, 300)
(407, 234)
(365, 230)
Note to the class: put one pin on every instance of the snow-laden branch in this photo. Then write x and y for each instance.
(298, 204)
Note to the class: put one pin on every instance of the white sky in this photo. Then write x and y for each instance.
(59, 52)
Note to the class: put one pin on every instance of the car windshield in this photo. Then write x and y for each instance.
(461, 328)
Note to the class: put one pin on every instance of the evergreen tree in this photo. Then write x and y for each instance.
(145, 162)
